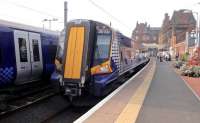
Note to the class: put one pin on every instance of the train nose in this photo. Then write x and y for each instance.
(73, 67)
(76, 61)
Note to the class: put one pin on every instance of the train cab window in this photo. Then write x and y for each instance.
(102, 49)
(23, 50)
(52, 53)
(35, 46)
(59, 53)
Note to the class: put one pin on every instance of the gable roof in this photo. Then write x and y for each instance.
(183, 17)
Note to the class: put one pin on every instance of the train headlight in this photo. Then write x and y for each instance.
(101, 69)
(104, 69)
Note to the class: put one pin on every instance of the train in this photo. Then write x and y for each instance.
(27, 53)
(92, 57)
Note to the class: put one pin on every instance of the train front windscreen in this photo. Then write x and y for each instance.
(102, 47)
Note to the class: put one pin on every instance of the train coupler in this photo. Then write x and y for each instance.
(72, 90)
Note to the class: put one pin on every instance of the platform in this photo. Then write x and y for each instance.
(169, 100)
(154, 95)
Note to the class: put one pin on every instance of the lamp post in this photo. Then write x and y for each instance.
(43, 25)
(195, 59)
(65, 13)
(197, 30)
(198, 43)
(49, 20)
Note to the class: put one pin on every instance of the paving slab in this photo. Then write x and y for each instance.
(169, 100)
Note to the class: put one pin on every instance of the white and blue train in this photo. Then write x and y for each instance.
(26, 53)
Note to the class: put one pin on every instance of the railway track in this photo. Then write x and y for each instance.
(11, 103)
(52, 107)
(67, 115)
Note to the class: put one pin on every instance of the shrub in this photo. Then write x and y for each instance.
(196, 71)
(193, 71)
(185, 57)
(186, 71)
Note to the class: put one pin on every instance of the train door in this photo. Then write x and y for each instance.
(74, 53)
(22, 54)
(35, 56)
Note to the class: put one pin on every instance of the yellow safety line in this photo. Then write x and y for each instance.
(132, 109)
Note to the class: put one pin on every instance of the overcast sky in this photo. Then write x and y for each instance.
(123, 14)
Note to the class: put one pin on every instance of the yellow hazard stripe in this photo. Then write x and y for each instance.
(132, 109)
(78, 53)
(74, 53)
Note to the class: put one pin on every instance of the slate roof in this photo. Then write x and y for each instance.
(183, 17)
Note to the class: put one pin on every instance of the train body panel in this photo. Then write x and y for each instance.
(106, 55)
(49, 48)
(22, 55)
(7, 54)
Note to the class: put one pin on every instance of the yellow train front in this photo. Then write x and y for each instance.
(93, 58)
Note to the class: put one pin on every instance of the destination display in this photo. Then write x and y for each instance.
(103, 30)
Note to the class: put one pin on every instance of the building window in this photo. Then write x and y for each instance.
(147, 38)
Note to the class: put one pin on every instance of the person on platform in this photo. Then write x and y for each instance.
(160, 57)
(177, 56)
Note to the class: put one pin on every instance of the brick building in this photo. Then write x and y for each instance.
(165, 33)
(143, 35)
(174, 31)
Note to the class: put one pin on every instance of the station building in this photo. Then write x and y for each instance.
(177, 35)
(145, 38)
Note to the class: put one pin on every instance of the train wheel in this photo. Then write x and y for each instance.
(70, 98)
(62, 90)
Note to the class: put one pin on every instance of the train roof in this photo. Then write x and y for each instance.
(88, 20)
(124, 40)
(26, 27)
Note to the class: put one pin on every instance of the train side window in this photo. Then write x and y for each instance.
(23, 50)
(35, 46)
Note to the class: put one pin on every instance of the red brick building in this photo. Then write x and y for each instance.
(165, 33)
(173, 31)
(182, 21)
(144, 34)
